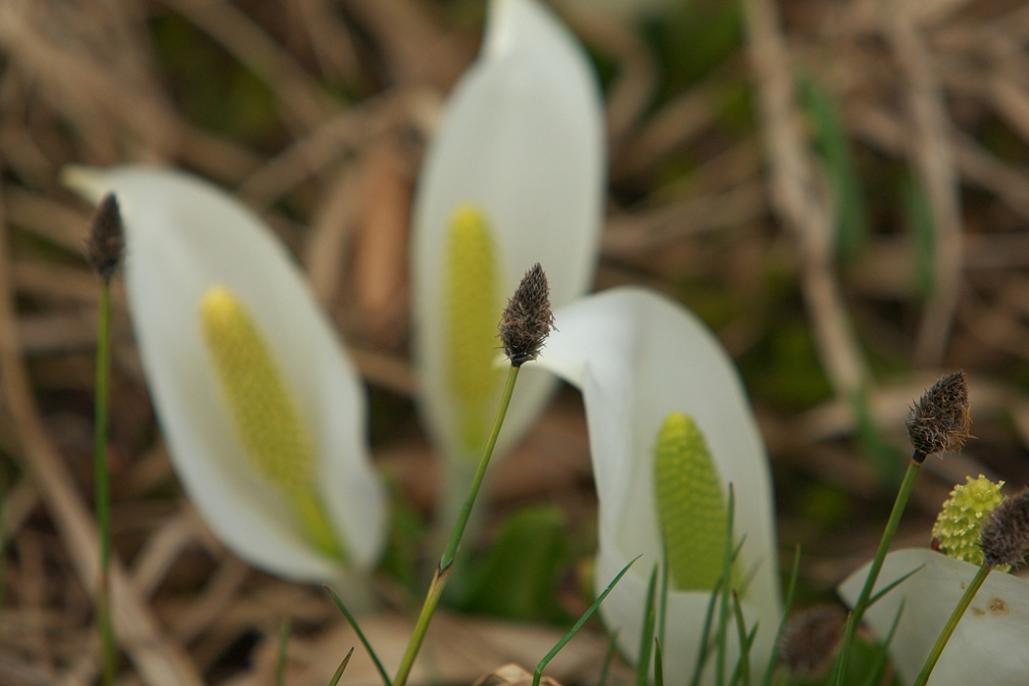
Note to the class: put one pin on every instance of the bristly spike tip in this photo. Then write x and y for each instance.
(527, 319)
(940, 420)
(106, 243)
(1005, 535)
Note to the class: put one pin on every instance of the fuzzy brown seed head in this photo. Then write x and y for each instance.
(940, 420)
(106, 243)
(527, 319)
(809, 640)
(1005, 535)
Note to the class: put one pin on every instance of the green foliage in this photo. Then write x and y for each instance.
(888, 461)
(920, 225)
(692, 38)
(581, 622)
(519, 576)
(213, 90)
(406, 529)
(647, 636)
(830, 136)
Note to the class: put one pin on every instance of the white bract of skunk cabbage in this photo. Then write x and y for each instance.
(514, 176)
(639, 359)
(989, 644)
(263, 414)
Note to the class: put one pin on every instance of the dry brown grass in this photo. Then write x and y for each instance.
(940, 88)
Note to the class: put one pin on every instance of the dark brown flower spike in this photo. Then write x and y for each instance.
(527, 319)
(940, 420)
(1005, 535)
(106, 243)
(809, 641)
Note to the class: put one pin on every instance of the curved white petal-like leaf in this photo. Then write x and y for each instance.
(522, 139)
(184, 236)
(989, 644)
(637, 357)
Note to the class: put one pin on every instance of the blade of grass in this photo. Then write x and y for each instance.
(608, 658)
(879, 666)
(663, 607)
(791, 592)
(581, 623)
(742, 671)
(723, 609)
(360, 634)
(338, 674)
(647, 637)
(280, 665)
(705, 632)
(659, 664)
(751, 635)
(892, 585)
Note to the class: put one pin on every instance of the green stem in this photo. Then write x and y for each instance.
(903, 495)
(442, 573)
(100, 481)
(952, 623)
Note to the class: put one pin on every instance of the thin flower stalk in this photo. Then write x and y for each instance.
(104, 251)
(524, 326)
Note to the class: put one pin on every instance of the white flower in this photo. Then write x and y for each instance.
(989, 644)
(262, 412)
(638, 358)
(514, 176)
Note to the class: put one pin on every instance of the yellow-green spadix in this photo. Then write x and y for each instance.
(262, 412)
(514, 176)
(661, 396)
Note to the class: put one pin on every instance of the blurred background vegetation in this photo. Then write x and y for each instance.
(840, 190)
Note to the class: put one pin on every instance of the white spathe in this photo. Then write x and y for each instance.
(522, 139)
(637, 357)
(989, 644)
(183, 237)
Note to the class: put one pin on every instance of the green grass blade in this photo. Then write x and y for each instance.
(892, 585)
(360, 634)
(663, 606)
(612, 646)
(879, 666)
(723, 609)
(751, 635)
(791, 592)
(705, 632)
(338, 674)
(647, 637)
(830, 135)
(659, 664)
(280, 665)
(579, 624)
(742, 671)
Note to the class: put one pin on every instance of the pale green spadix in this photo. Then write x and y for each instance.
(266, 418)
(690, 504)
(472, 309)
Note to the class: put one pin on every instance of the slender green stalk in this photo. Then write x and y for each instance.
(283, 659)
(612, 648)
(743, 666)
(952, 623)
(581, 622)
(791, 590)
(442, 573)
(101, 485)
(723, 611)
(352, 621)
(338, 674)
(903, 495)
(647, 635)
